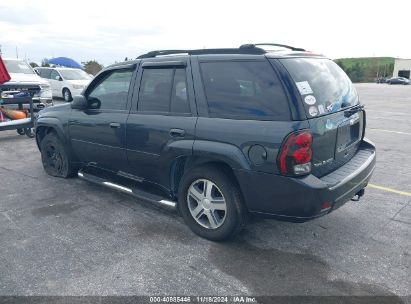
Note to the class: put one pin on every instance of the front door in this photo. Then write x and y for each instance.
(161, 129)
(56, 83)
(98, 132)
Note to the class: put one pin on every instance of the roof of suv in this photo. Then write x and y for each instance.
(245, 49)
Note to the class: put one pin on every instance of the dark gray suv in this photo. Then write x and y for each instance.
(218, 134)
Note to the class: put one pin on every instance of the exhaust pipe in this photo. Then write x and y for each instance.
(358, 195)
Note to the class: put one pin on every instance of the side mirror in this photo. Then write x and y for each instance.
(59, 78)
(79, 102)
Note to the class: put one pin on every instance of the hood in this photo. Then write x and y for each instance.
(83, 82)
(26, 79)
(57, 108)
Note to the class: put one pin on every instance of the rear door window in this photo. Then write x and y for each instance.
(324, 87)
(244, 90)
(164, 90)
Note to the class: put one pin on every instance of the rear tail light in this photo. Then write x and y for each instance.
(296, 154)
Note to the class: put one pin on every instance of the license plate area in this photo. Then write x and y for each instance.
(348, 134)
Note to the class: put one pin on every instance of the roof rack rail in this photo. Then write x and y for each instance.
(254, 45)
(251, 51)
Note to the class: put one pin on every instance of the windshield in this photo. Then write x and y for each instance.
(323, 85)
(74, 75)
(17, 66)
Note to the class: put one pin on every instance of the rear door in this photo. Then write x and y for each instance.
(161, 125)
(332, 108)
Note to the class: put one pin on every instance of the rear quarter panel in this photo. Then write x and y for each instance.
(245, 135)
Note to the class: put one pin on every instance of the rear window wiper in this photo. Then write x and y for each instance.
(353, 110)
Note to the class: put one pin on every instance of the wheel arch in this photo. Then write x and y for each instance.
(65, 88)
(185, 164)
(47, 125)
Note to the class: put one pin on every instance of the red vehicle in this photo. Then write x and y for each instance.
(4, 75)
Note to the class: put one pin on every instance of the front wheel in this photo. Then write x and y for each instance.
(211, 204)
(67, 95)
(55, 159)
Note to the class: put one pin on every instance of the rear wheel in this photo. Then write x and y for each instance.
(67, 95)
(211, 204)
(56, 161)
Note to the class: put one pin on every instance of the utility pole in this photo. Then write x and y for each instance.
(17, 53)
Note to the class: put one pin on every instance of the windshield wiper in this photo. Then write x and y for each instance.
(353, 110)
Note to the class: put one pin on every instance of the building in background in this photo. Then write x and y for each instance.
(402, 68)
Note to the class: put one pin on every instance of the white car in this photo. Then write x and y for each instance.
(23, 77)
(65, 82)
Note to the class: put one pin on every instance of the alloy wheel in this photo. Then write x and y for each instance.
(206, 204)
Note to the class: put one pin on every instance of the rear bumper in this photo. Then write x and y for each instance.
(300, 199)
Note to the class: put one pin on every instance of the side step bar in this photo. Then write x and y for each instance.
(140, 194)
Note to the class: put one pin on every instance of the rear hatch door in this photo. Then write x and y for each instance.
(332, 107)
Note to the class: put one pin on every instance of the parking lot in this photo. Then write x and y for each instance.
(70, 237)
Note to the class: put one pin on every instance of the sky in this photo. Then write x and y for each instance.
(109, 31)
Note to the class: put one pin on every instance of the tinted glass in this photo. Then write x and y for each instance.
(179, 97)
(45, 73)
(111, 93)
(324, 87)
(244, 90)
(54, 74)
(155, 90)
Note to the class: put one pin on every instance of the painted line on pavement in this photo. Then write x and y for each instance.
(389, 190)
(389, 131)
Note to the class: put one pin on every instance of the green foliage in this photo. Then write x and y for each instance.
(92, 67)
(33, 65)
(45, 63)
(366, 69)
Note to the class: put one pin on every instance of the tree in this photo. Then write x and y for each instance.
(45, 63)
(33, 65)
(341, 65)
(356, 73)
(92, 67)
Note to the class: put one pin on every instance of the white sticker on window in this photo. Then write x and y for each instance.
(313, 111)
(310, 100)
(321, 109)
(304, 87)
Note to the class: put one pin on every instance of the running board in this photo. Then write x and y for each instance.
(140, 194)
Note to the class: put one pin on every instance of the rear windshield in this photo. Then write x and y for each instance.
(323, 85)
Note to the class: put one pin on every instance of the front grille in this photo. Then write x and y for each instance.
(32, 89)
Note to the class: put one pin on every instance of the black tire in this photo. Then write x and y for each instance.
(56, 161)
(20, 131)
(67, 95)
(235, 214)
